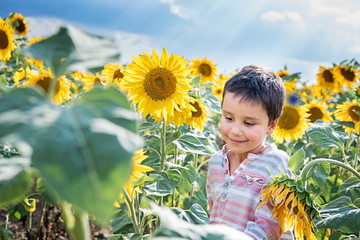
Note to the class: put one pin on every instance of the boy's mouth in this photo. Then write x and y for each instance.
(235, 141)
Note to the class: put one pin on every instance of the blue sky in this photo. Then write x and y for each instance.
(273, 33)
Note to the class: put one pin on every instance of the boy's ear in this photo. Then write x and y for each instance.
(272, 126)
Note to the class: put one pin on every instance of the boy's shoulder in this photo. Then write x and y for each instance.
(274, 160)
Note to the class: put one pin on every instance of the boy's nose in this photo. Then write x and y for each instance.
(236, 130)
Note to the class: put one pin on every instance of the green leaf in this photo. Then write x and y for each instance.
(122, 223)
(172, 227)
(341, 214)
(213, 103)
(46, 192)
(195, 81)
(148, 126)
(317, 176)
(197, 214)
(296, 161)
(15, 180)
(191, 143)
(5, 234)
(292, 77)
(73, 50)
(350, 188)
(83, 152)
(147, 179)
(164, 187)
(17, 211)
(188, 177)
(326, 137)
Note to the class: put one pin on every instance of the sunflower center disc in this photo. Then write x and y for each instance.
(348, 74)
(160, 83)
(97, 81)
(44, 83)
(205, 69)
(4, 41)
(289, 118)
(118, 74)
(352, 112)
(197, 112)
(315, 114)
(21, 27)
(328, 76)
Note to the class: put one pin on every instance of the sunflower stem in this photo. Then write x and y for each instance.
(163, 146)
(356, 152)
(311, 164)
(343, 153)
(132, 213)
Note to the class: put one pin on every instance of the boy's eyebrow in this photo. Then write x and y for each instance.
(247, 117)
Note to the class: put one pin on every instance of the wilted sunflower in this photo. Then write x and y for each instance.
(113, 73)
(345, 75)
(283, 194)
(292, 124)
(158, 86)
(317, 111)
(6, 41)
(199, 116)
(43, 79)
(137, 171)
(346, 112)
(206, 69)
(90, 80)
(22, 24)
(326, 79)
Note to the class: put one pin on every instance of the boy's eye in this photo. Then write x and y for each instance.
(228, 118)
(249, 123)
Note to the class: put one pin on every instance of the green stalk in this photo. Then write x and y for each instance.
(29, 221)
(309, 166)
(76, 224)
(163, 146)
(132, 214)
(356, 152)
(43, 206)
(343, 153)
(196, 156)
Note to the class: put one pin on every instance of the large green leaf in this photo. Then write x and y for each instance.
(341, 214)
(15, 180)
(83, 152)
(188, 177)
(171, 179)
(350, 188)
(73, 50)
(296, 161)
(324, 136)
(191, 143)
(174, 228)
(317, 176)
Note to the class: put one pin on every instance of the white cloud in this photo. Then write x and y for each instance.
(287, 16)
(176, 9)
(344, 12)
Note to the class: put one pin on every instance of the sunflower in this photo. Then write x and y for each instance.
(199, 116)
(218, 88)
(20, 75)
(292, 124)
(35, 62)
(289, 85)
(43, 79)
(326, 79)
(292, 205)
(347, 112)
(90, 80)
(345, 75)
(317, 110)
(113, 73)
(137, 171)
(6, 41)
(34, 40)
(206, 69)
(22, 24)
(158, 86)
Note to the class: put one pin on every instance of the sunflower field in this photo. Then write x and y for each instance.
(124, 148)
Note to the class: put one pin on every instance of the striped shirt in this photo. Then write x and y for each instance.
(233, 199)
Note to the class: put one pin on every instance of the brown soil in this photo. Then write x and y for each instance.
(52, 226)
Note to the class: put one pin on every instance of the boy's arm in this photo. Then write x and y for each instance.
(264, 226)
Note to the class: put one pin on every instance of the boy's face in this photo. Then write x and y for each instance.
(244, 125)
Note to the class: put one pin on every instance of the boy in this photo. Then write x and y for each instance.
(251, 107)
